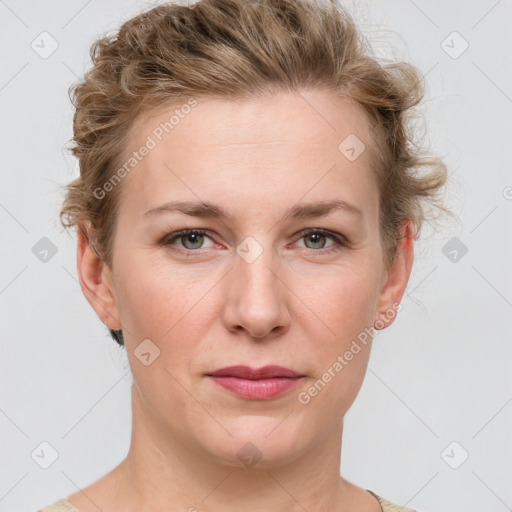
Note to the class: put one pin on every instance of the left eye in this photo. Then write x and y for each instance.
(317, 235)
(196, 237)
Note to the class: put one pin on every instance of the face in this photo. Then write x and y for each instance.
(270, 282)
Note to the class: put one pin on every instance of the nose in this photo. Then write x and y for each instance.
(256, 297)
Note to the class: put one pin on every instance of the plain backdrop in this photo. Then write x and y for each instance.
(431, 426)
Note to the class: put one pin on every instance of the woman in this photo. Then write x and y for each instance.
(247, 204)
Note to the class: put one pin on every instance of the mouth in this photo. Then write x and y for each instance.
(256, 384)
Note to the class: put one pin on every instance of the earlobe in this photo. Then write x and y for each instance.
(396, 279)
(95, 282)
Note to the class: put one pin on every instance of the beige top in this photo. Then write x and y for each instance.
(64, 506)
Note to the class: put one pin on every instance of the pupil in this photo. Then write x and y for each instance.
(194, 237)
(191, 236)
(315, 235)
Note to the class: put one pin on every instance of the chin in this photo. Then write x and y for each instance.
(257, 442)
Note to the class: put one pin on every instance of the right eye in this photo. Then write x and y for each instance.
(191, 237)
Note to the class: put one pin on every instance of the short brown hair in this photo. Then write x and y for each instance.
(235, 49)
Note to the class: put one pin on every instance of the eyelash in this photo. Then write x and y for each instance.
(340, 240)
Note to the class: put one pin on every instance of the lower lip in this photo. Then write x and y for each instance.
(260, 389)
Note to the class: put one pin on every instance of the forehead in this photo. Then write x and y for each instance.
(258, 147)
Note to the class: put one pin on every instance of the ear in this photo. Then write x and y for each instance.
(95, 280)
(395, 279)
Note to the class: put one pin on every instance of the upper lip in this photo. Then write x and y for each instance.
(246, 372)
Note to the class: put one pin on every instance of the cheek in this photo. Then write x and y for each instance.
(345, 306)
(155, 299)
(170, 307)
(156, 308)
(343, 300)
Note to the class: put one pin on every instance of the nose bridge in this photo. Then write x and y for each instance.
(255, 267)
(256, 294)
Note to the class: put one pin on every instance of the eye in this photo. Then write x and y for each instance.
(317, 237)
(192, 240)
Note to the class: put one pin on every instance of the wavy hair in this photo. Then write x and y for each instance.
(237, 49)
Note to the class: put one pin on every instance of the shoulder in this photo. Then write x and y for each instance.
(62, 505)
(387, 506)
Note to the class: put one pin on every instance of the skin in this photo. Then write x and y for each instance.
(296, 305)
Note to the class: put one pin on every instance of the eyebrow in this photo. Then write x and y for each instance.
(299, 211)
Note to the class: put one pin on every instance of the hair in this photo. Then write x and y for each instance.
(238, 49)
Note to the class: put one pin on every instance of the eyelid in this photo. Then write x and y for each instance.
(170, 238)
(340, 241)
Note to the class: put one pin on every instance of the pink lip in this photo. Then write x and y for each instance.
(246, 372)
(256, 384)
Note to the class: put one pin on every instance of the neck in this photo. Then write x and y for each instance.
(162, 472)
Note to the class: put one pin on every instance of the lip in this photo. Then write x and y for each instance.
(256, 384)
(246, 372)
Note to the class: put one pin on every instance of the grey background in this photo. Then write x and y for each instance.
(439, 374)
